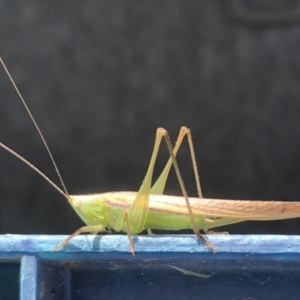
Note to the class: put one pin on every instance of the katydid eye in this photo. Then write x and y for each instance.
(77, 203)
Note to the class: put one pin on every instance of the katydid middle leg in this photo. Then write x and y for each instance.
(197, 178)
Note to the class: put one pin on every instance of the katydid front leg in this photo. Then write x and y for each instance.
(94, 229)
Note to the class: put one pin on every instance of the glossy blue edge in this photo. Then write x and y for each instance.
(32, 250)
(15, 246)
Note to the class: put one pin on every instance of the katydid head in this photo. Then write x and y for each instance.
(92, 208)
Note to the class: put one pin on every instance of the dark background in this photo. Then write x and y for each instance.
(101, 76)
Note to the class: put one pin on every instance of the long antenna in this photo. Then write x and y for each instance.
(33, 167)
(41, 135)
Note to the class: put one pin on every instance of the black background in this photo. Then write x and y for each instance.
(101, 76)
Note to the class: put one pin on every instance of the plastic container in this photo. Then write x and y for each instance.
(164, 267)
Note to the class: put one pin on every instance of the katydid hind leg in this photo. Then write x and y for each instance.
(197, 180)
(139, 209)
(194, 163)
(129, 235)
(182, 186)
(159, 185)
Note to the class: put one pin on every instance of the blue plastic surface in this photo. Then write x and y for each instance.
(165, 267)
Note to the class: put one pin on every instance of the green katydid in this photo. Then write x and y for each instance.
(133, 212)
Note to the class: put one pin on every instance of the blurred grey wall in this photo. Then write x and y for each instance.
(101, 76)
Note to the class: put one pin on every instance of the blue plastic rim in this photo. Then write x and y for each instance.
(164, 267)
